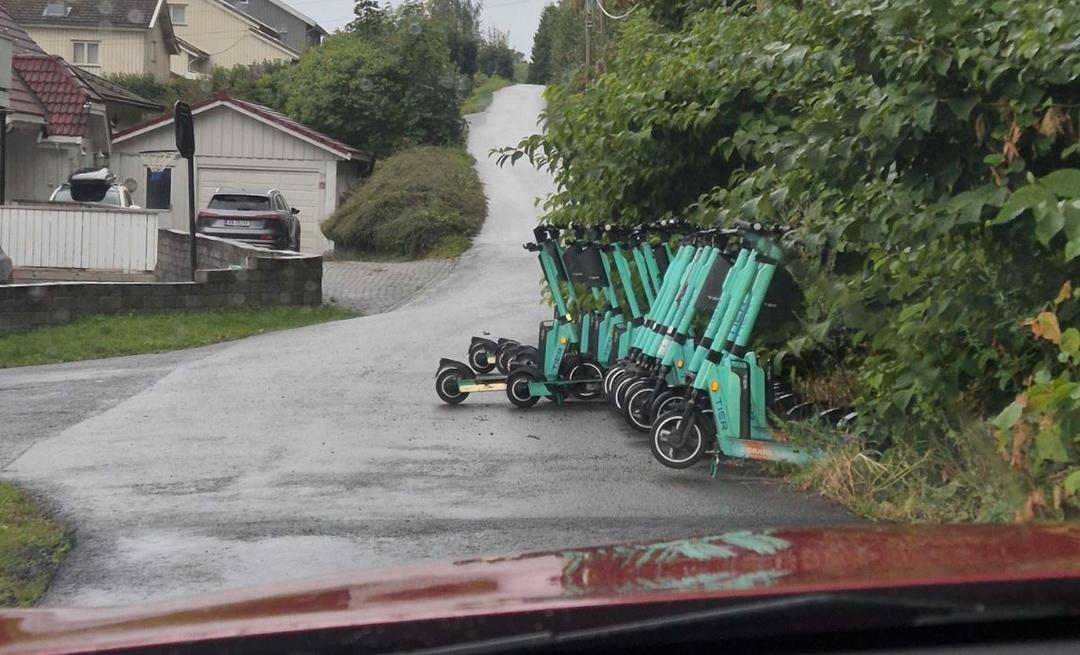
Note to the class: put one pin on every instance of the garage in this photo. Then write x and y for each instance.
(240, 144)
(300, 188)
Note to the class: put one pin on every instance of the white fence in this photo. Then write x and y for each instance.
(51, 236)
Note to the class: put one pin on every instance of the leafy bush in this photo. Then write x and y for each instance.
(891, 134)
(417, 201)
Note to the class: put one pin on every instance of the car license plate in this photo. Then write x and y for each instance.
(236, 223)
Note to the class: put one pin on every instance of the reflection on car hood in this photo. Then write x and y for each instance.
(750, 564)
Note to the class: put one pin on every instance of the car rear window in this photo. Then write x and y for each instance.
(237, 202)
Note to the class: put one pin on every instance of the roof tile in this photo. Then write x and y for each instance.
(61, 93)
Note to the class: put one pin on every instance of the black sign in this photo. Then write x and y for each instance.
(185, 130)
(714, 285)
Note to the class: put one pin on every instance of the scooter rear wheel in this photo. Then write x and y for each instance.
(517, 389)
(446, 385)
(670, 448)
(504, 354)
(586, 370)
(479, 359)
(526, 356)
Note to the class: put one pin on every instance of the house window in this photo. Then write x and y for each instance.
(86, 53)
(56, 10)
(178, 14)
(159, 189)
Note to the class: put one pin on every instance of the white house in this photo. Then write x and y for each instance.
(57, 117)
(240, 144)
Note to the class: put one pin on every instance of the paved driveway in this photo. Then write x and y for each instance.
(376, 287)
(233, 468)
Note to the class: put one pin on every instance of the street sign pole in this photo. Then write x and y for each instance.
(185, 143)
(191, 215)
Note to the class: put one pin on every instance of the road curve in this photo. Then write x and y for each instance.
(321, 449)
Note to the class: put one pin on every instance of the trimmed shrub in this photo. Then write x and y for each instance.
(419, 201)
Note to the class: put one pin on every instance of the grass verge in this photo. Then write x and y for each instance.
(967, 481)
(482, 93)
(32, 545)
(96, 337)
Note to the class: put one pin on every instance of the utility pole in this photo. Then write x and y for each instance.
(588, 30)
(601, 39)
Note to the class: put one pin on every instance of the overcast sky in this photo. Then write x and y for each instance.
(518, 17)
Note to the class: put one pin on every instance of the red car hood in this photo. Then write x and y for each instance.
(736, 564)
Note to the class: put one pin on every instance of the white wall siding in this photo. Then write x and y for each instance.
(224, 132)
(79, 238)
(35, 169)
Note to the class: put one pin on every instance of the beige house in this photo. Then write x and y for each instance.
(214, 33)
(103, 37)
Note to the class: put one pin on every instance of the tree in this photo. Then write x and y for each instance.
(496, 57)
(459, 20)
(370, 17)
(540, 69)
(380, 92)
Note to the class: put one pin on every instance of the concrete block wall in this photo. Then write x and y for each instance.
(241, 276)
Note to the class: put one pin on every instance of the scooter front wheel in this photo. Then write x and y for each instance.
(671, 447)
(447, 386)
(664, 402)
(517, 389)
(638, 403)
(626, 387)
(609, 377)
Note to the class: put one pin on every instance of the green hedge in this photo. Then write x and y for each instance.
(421, 201)
(923, 151)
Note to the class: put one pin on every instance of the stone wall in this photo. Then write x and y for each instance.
(230, 274)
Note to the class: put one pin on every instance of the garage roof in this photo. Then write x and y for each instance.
(260, 113)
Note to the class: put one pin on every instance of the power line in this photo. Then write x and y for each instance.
(612, 16)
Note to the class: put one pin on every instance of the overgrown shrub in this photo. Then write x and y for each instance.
(891, 134)
(262, 83)
(418, 201)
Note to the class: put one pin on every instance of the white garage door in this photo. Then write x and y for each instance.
(300, 188)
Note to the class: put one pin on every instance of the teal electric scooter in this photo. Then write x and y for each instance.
(725, 405)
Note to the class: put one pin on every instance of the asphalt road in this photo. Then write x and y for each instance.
(322, 449)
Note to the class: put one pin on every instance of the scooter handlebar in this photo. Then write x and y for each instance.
(761, 228)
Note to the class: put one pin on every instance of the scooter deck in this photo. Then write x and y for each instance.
(766, 451)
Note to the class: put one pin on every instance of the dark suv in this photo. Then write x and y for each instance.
(260, 218)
